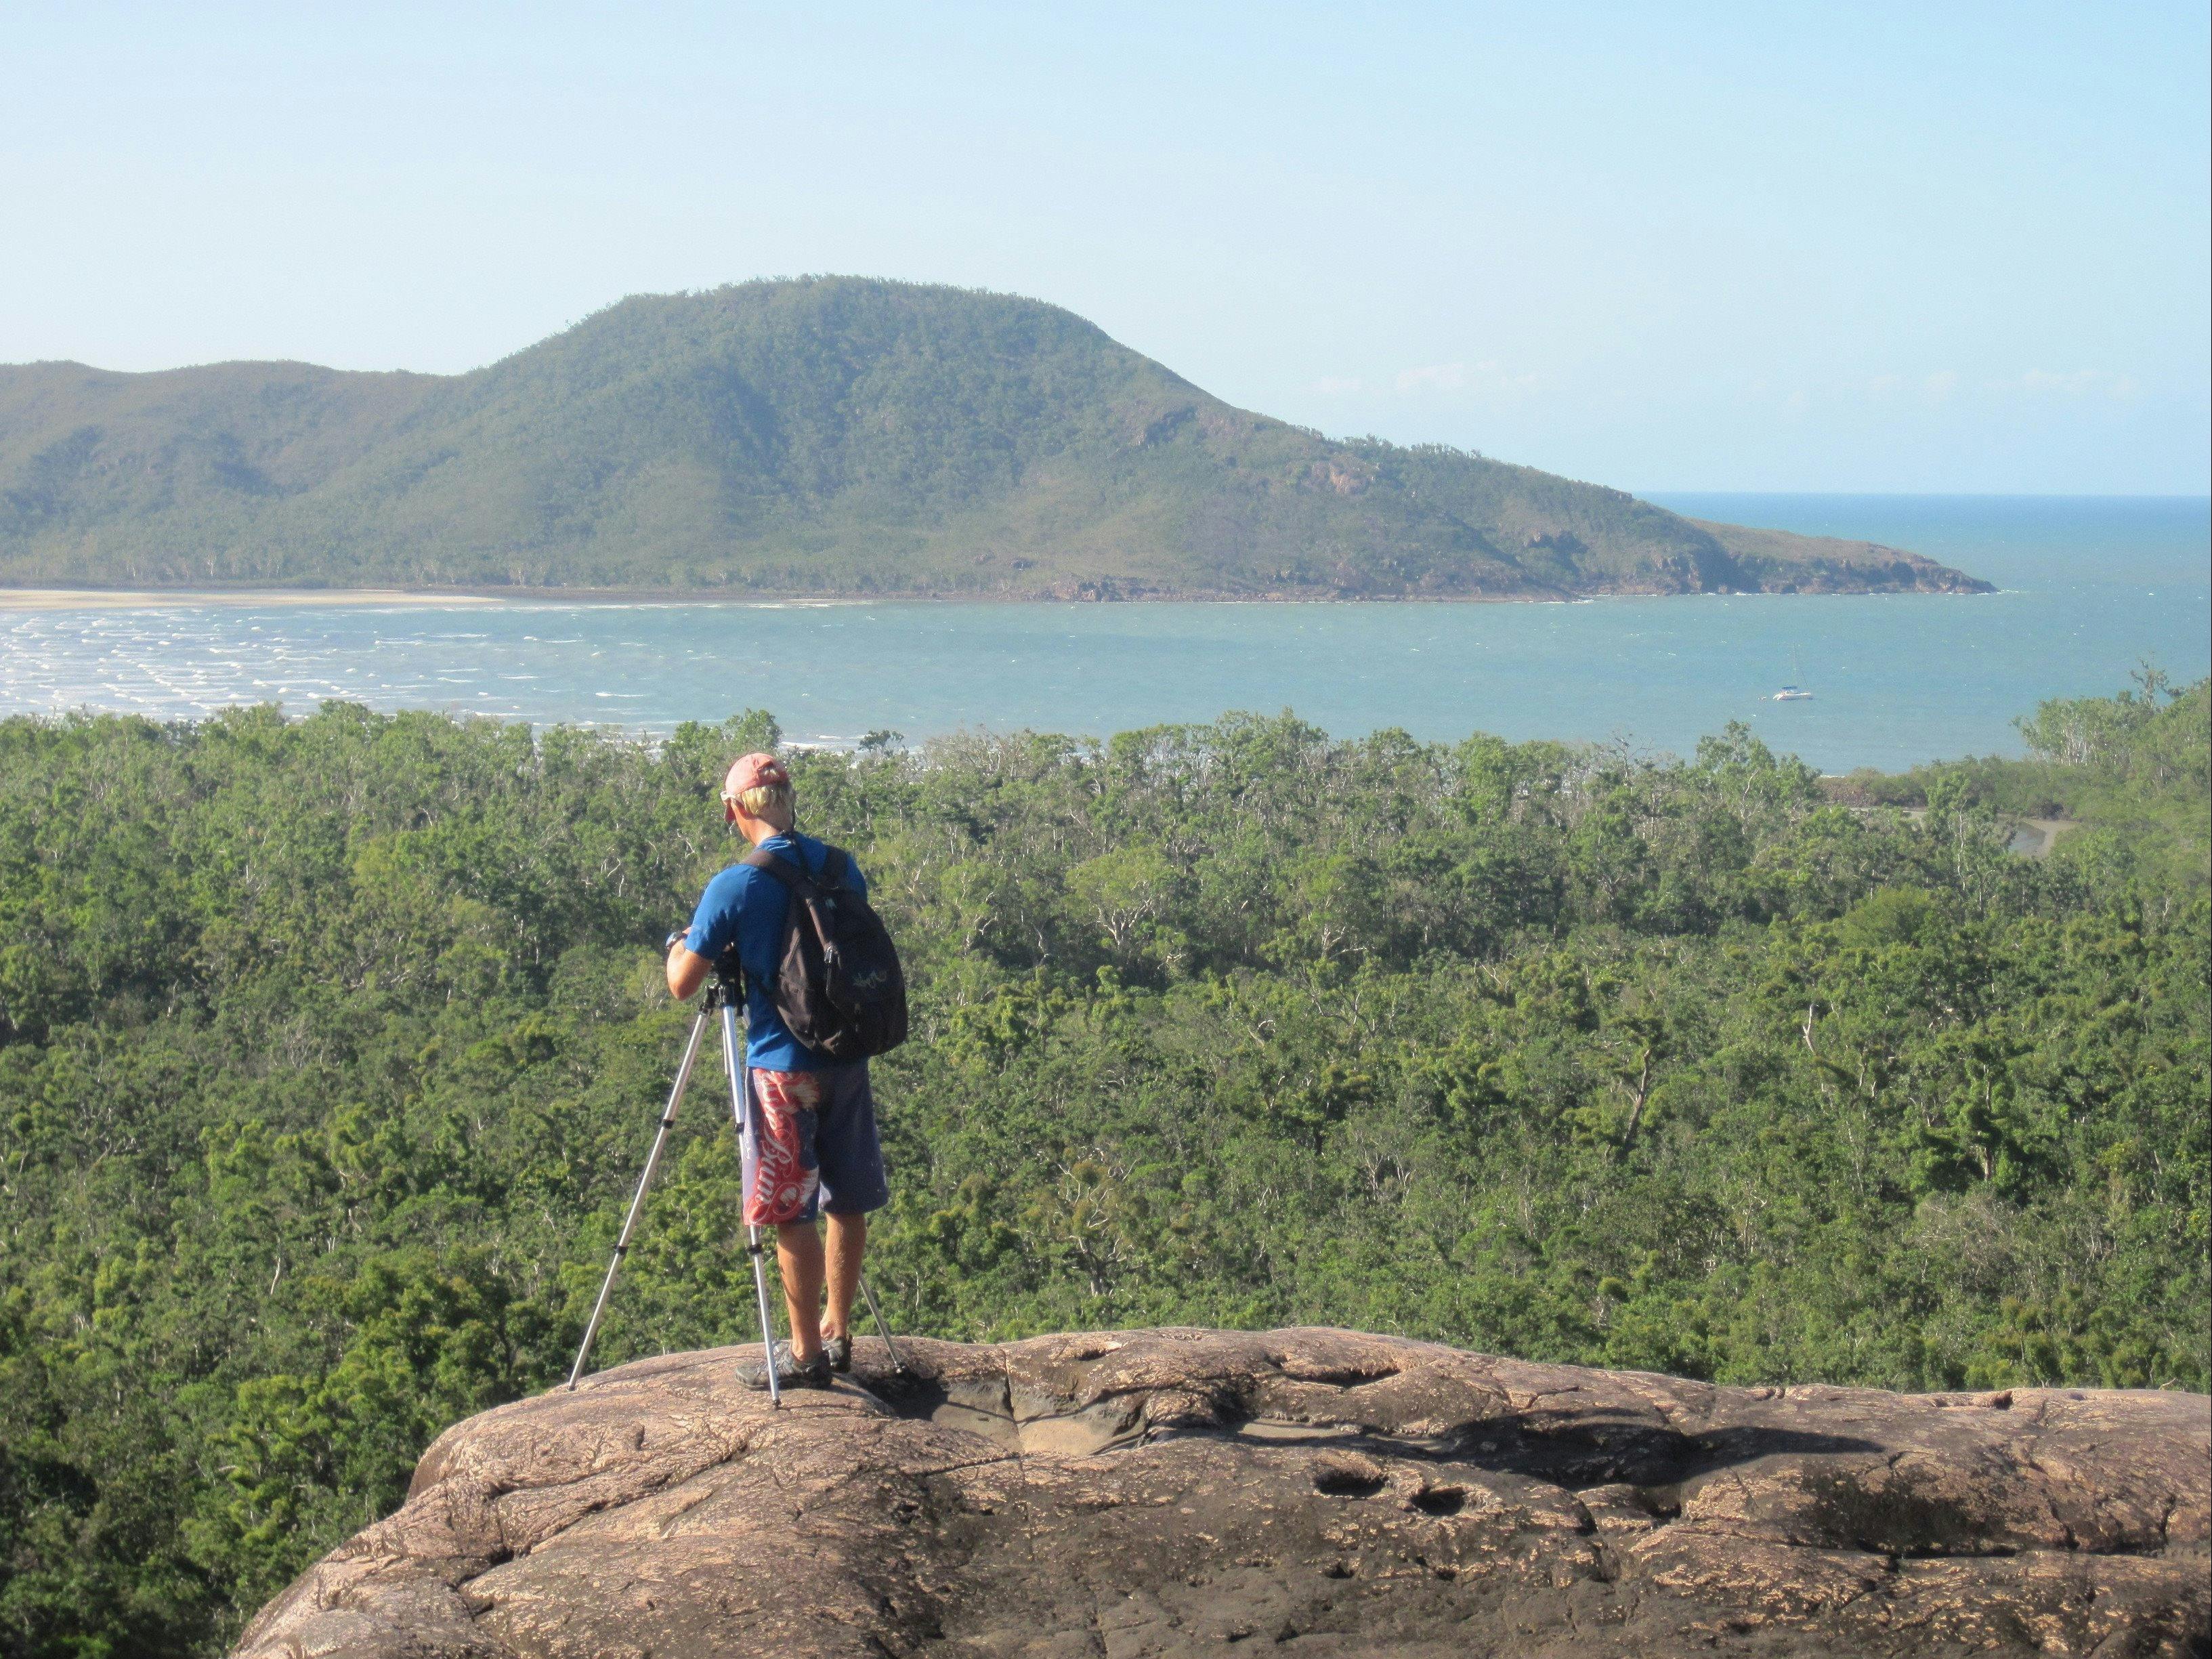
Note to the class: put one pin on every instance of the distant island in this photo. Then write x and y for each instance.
(828, 437)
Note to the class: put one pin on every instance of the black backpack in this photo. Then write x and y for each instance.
(838, 983)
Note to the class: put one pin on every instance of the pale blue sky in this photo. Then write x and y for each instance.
(1722, 246)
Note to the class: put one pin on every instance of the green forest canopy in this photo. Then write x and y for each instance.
(830, 436)
(330, 1048)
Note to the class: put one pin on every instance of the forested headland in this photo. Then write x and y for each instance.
(823, 436)
(329, 1049)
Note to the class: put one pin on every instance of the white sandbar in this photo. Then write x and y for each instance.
(116, 598)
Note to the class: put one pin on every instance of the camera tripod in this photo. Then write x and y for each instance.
(720, 997)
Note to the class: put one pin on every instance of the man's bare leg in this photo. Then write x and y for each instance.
(848, 1240)
(798, 1260)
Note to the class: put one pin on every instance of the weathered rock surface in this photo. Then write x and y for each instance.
(1183, 1491)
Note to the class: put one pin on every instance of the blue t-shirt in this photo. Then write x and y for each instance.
(746, 907)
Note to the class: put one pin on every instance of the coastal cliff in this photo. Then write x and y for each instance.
(1182, 1491)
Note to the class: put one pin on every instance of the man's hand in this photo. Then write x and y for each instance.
(687, 970)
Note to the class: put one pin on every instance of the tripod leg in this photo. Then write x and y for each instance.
(637, 1203)
(898, 1360)
(741, 1107)
(754, 1248)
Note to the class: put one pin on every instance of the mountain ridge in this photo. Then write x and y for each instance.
(819, 437)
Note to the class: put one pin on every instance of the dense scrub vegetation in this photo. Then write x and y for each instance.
(330, 1048)
(826, 435)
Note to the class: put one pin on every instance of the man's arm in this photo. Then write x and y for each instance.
(687, 970)
(713, 924)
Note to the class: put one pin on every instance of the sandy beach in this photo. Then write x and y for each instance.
(117, 599)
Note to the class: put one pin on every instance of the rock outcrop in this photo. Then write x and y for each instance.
(1179, 1491)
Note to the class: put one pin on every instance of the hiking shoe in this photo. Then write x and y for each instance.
(790, 1373)
(838, 1351)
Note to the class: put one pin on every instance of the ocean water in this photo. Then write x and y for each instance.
(2091, 588)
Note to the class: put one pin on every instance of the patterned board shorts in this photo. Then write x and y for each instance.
(813, 1146)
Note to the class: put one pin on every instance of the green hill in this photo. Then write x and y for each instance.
(828, 435)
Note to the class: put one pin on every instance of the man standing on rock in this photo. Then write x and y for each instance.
(813, 1146)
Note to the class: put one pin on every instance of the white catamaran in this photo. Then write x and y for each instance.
(1794, 692)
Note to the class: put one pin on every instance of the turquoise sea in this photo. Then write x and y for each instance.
(2091, 588)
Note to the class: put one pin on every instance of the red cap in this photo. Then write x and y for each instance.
(753, 772)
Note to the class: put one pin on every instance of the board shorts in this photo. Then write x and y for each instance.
(813, 1146)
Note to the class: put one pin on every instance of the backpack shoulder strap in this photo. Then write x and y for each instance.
(774, 864)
